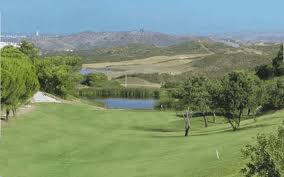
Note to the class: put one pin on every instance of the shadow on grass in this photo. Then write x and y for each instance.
(256, 126)
(169, 136)
(227, 130)
(161, 130)
(224, 130)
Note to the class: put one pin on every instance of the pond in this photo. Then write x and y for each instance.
(124, 103)
(86, 71)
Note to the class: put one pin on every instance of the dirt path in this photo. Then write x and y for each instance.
(25, 109)
(21, 111)
(205, 48)
(41, 97)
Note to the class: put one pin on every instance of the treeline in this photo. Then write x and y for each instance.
(59, 75)
(266, 157)
(276, 68)
(24, 71)
(229, 96)
(161, 78)
(121, 92)
(98, 86)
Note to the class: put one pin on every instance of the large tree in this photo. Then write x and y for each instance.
(214, 88)
(239, 93)
(95, 79)
(265, 72)
(58, 75)
(30, 50)
(278, 63)
(276, 94)
(196, 96)
(19, 81)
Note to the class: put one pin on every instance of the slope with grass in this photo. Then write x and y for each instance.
(78, 140)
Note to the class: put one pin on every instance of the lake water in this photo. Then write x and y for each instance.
(86, 71)
(124, 103)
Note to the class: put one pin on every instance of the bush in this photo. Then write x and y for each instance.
(95, 79)
(266, 157)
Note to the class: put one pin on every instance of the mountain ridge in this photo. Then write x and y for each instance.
(90, 40)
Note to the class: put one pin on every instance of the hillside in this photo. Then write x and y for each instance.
(140, 51)
(83, 141)
(90, 40)
(220, 64)
(203, 56)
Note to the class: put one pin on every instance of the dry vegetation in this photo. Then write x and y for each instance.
(159, 64)
(201, 57)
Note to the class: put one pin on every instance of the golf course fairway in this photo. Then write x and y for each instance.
(77, 140)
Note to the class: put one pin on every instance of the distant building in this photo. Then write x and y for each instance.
(3, 44)
(37, 33)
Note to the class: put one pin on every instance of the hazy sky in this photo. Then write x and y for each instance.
(170, 16)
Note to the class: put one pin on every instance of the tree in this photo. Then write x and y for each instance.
(187, 119)
(73, 63)
(197, 97)
(95, 79)
(57, 75)
(238, 93)
(30, 50)
(265, 72)
(166, 99)
(19, 81)
(276, 94)
(278, 63)
(214, 88)
(257, 94)
(266, 157)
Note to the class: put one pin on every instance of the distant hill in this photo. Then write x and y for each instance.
(198, 56)
(251, 37)
(140, 51)
(90, 40)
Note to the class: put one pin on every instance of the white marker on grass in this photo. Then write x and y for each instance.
(217, 154)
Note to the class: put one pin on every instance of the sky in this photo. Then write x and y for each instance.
(167, 16)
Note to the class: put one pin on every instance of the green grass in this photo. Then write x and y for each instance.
(75, 140)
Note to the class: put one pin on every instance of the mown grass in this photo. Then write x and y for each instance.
(76, 140)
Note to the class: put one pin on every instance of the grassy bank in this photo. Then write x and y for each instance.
(77, 140)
